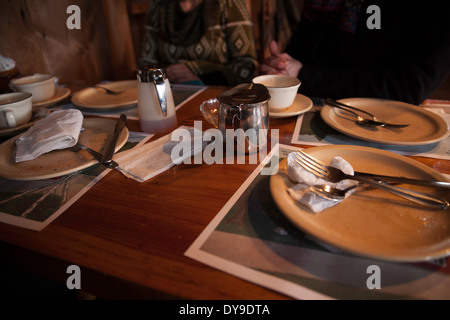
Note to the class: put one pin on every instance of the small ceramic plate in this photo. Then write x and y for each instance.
(9, 132)
(371, 222)
(98, 99)
(60, 162)
(60, 94)
(301, 105)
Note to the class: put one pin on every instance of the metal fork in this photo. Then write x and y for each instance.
(331, 174)
(97, 156)
(109, 91)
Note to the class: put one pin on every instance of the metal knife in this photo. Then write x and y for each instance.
(429, 183)
(111, 146)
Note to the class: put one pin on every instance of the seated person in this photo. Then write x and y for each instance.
(339, 50)
(201, 41)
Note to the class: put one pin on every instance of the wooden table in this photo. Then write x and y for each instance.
(129, 238)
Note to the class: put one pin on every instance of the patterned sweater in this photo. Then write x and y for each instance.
(224, 55)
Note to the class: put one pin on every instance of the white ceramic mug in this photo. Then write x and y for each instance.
(282, 90)
(41, 86)
(15, 109)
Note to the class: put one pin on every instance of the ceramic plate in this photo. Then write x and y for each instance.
(60, 162)
(98, 99)
(60, 94)
(8, 132)
(301, 105)
(372, 222)
(425, 126)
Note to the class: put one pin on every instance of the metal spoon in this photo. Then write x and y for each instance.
(331, 193)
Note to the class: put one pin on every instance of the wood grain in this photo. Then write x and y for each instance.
(129, 238)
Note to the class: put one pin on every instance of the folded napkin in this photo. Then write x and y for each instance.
(304, 179)
(59, 130)
(146, 161)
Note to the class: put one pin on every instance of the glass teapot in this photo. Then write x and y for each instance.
(241, 112)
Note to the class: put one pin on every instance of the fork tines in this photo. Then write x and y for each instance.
(311, 164)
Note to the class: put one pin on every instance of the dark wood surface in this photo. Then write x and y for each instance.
(129, 238)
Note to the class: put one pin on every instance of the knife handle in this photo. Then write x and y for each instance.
(111, 146)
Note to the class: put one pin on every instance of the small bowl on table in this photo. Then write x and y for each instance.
(41, 86)
(282, 89)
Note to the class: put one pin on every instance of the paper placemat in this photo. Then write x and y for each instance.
(251, 239)
(35, 204)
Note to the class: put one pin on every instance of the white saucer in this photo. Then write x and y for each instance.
(9, 132)
(60, 94)
(301, 105)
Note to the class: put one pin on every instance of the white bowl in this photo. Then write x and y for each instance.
(282, 90)
(41, 86)
(15, 109)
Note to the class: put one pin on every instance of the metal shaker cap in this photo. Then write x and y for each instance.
(149, 73)
(258, 93)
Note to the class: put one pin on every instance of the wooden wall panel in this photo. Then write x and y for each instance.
(120, 39)
(34, 33)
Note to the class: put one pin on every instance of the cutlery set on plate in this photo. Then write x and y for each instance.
(105, 158)
(334, 175)
(374, 121)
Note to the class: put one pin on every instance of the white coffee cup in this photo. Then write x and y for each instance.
(41, 86)
(15, 109)
(282, 90)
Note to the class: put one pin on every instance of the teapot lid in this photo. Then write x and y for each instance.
(237, 96)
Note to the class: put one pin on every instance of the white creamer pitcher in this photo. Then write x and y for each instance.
(156, 108)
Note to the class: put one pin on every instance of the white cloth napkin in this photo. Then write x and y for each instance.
(59, 130)
(304, 179)
(146, 161)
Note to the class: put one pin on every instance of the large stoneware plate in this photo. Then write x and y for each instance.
(60, 162)
(425, 126)
(372, 222)
(97, 99)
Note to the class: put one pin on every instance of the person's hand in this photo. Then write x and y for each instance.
(280, 63)
(178, 73)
